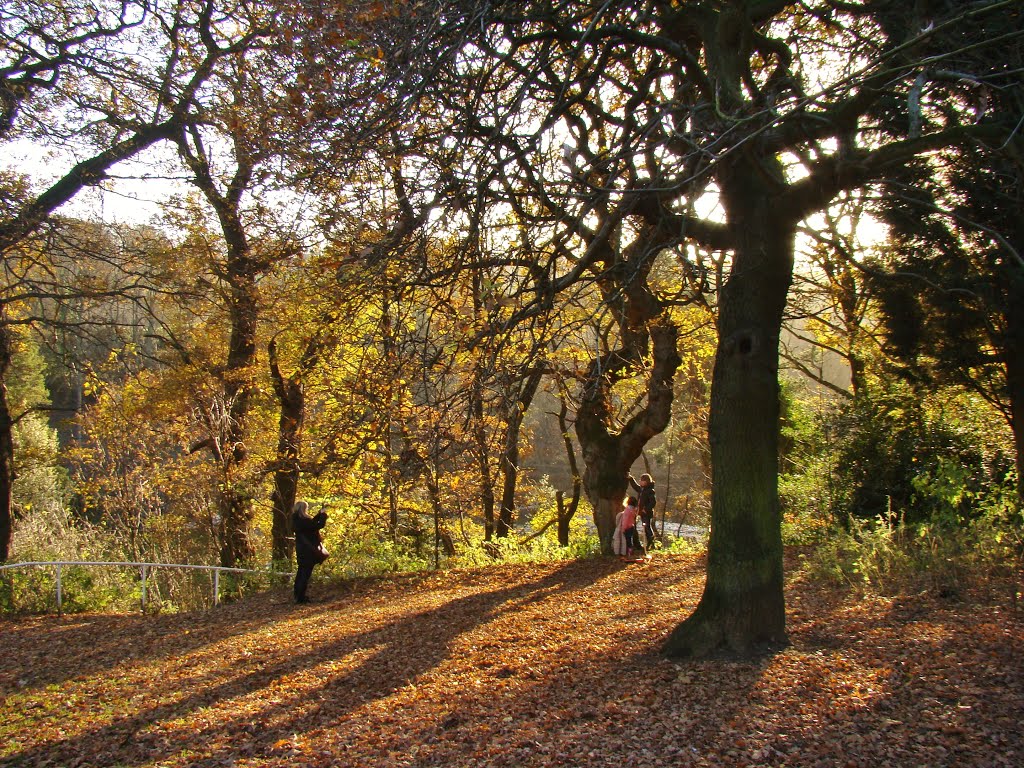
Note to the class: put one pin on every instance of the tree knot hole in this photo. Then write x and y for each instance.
(742, 343)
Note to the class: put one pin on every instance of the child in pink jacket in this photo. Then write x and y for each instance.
(629, 517)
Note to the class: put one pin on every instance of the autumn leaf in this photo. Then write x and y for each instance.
(515, 665)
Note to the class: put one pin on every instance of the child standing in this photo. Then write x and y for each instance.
(629, 517)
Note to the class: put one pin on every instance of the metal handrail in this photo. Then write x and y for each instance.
(144, 567)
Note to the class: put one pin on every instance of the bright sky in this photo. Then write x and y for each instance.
(133, 194)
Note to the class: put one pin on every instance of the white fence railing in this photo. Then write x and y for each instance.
(144, 569)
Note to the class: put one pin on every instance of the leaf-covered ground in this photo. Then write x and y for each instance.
(543, 665)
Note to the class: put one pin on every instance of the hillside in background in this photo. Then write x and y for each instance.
(516, 665)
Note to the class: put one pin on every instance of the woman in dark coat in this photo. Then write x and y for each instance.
(646, 498)
(307, 546)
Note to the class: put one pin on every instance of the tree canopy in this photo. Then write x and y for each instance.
(416, 220)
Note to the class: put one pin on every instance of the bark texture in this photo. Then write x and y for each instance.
(6, 448)
(292, 400)
(608, 455)
(743, 606)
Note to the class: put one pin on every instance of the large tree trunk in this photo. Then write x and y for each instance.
(608, 456)
(6, 448)
(235, 502)
(605, 472)
(1014, 350)
(241, 270)
(292, 399)
(282, 499)
(743, 605)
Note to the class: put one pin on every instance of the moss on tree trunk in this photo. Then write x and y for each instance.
(743, 605)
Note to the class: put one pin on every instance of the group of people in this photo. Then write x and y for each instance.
(638, 512)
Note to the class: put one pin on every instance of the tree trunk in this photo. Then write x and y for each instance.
(6, 448)
(241, 270)
(236, 509)
(604, 481)
(510, 479)
(387, 413)
(608, 456)
(236, 546)
(743, 605)
(510, 455)
(1014, 351)
(442, 538)
(286, 488)
(292, 399)
(483, 455)
(565, 514)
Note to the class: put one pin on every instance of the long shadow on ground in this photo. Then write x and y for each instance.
(384, 664)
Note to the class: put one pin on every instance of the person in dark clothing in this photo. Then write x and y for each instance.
(646, 498)
(307, 546)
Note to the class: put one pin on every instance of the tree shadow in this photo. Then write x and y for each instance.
(97, 641)
(383, 665)
(910, 680)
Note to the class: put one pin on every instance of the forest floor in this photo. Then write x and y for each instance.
(555, 664)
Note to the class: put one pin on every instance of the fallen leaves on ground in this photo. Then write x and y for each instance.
(555, 664)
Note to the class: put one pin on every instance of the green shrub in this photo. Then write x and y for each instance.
(869, 555)
(83, 588)
(917, 457)
(925, 459)
(904, 489)
(682, 545)
(889, 555)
